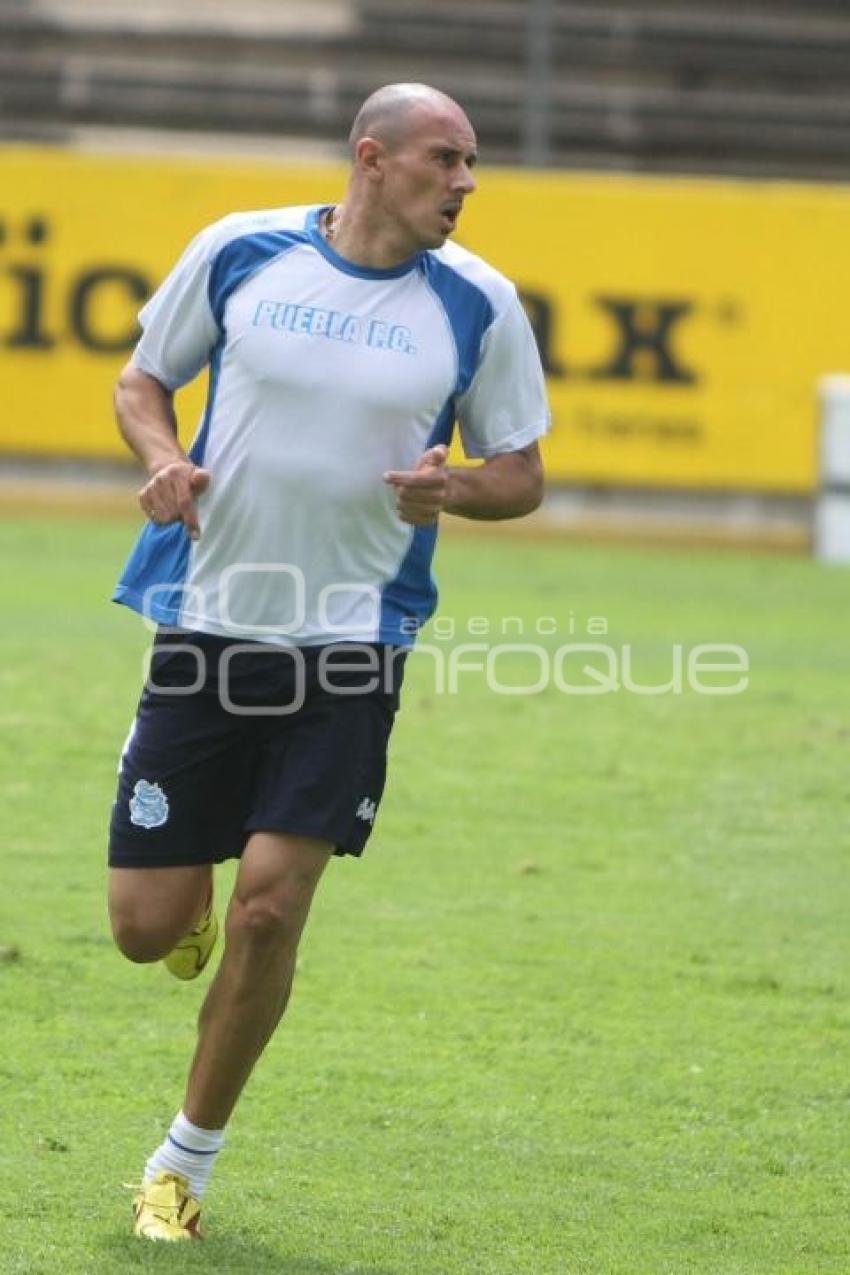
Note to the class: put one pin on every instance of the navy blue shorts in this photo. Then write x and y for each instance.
(237, 737)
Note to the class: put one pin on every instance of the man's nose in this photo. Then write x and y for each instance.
(464, 181)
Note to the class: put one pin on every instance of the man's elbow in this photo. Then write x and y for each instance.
(123, 388)
(538, 490)
(535, 485)
(126, 386)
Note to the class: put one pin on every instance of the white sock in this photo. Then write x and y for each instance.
(187, 1150)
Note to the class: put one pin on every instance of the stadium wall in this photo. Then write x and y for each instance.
(683, 323)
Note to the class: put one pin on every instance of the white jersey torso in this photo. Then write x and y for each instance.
(323, 376)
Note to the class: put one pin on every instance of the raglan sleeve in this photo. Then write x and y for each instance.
(179, 329)
(505, 407)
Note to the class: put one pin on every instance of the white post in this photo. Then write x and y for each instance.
(832, 509)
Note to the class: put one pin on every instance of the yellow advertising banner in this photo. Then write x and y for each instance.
(683, 323)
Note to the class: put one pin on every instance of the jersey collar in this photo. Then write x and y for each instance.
(321, 245)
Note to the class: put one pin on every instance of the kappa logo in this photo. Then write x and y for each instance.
(148, 805)
(367, 810)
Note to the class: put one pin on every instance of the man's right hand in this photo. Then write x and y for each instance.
(169, 496)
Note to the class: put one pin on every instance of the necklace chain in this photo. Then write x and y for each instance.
(332, 221)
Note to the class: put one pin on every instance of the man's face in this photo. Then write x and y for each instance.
(427, 176)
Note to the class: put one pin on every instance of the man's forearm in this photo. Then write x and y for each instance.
(147, 422)
(507, 486)
(145, 412)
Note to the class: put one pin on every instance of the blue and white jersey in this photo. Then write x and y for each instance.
(323, 375)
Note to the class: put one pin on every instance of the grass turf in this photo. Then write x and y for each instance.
(583, 1007)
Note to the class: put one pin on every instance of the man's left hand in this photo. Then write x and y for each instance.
(421, 493)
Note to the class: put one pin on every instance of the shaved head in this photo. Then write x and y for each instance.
(413, 151)
(388, 114)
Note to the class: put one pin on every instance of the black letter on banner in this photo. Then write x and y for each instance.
(79, 305)
(540, 315)
(644, 327)
(29, 334)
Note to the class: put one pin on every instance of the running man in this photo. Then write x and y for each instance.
(287, 559)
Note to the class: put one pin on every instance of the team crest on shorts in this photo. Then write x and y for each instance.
(148, 805)
(367, 810)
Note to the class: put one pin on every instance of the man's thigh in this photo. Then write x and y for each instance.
(152, 908)
(278, 875)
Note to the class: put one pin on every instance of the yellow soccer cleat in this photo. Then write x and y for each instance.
(191, 954)
(164, 1209)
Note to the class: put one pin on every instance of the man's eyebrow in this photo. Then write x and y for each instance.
(446, 148)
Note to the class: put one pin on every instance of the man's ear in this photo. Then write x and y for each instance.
(369, 156)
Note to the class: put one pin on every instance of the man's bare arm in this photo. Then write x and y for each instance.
(505, 486)
(145, 412)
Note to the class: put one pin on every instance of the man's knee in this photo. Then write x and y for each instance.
(266, 918)
(150, 909)
(139, 942)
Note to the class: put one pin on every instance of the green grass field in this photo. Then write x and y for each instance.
(583, 1007)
